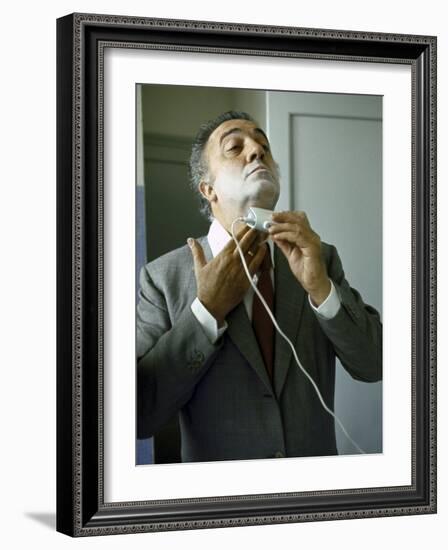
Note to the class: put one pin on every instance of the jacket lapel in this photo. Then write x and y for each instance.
(289, 300)
(203, 241)
(241, 332)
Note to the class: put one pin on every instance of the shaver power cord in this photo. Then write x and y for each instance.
(246, 269)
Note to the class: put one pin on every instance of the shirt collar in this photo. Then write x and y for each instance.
(218, 238)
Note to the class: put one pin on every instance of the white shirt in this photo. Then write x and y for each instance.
(217, 239)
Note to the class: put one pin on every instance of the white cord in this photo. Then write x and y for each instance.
(288, 340)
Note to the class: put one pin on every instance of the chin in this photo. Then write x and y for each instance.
(264, 200)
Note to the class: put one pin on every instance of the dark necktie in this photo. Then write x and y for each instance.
(261, 322)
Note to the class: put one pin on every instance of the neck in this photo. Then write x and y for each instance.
(227, 218)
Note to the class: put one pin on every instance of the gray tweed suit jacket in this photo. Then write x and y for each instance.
(228, 408)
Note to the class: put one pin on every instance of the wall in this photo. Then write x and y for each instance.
(171, 118)
(190, 106)
(28, 275)
(331, 165)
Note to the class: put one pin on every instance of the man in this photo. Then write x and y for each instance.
(238, 391)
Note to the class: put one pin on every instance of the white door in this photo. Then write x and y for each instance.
(329, 149)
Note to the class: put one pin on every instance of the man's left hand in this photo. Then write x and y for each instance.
(302, 248)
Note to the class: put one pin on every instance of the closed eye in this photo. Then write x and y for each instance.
(239, 146)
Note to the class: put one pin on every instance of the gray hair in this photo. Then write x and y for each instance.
(198, 164)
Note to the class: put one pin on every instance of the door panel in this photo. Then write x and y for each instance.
(329, 149)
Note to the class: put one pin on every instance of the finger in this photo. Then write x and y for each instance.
(288, 236)
(289, 216)
(242, 231)
(297, 239)
(230, 246)
(199, 260)
(250, 241)
(285, 248)
(304, 236)
(255, 261)
(282, 227)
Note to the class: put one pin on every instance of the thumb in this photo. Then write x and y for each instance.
(284, 247)
(198, 254)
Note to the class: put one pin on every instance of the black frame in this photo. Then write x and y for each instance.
(81, 38)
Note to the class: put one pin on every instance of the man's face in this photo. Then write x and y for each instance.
(242, 171)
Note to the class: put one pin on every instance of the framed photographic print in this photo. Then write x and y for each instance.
(177, 407)
(336, 139)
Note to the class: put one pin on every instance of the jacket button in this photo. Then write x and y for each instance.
(196, 360)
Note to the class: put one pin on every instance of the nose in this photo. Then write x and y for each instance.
(254, 151)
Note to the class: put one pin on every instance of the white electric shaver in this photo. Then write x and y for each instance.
(259, 218)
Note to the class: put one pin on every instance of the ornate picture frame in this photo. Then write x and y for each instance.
(81, 506)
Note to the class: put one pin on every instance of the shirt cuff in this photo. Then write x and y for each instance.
(208, 323)
(330, 306)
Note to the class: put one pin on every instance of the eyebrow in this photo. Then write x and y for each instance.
(238, 130)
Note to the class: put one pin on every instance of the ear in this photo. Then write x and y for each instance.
(207, 191)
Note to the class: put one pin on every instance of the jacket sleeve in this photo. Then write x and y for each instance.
(173, 353)
(356, 330)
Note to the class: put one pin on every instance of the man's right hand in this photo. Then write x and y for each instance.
(222, 282)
